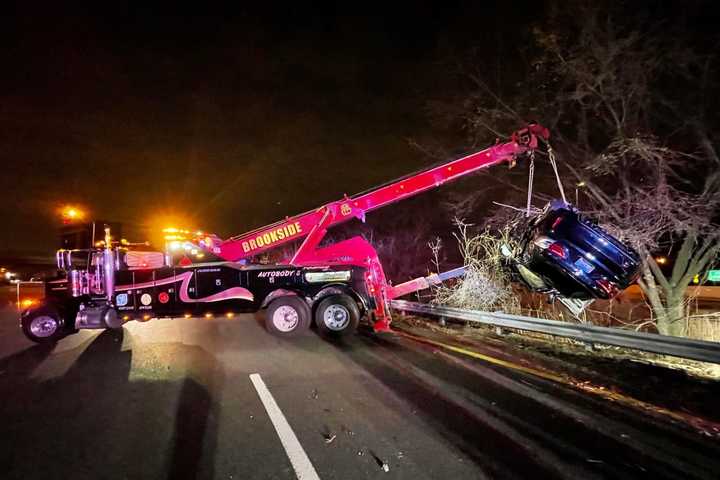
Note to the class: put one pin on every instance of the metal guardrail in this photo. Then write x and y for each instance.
(649, 342)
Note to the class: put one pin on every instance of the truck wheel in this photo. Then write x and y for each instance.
(287, 316)
(43, 325)
(337, 315)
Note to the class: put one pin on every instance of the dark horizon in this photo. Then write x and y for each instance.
(226, 121)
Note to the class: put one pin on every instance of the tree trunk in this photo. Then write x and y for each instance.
(667, 303)
(671, 318)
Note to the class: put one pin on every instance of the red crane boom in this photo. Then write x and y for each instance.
(313, 225)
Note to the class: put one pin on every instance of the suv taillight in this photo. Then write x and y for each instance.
(557, 222)
(558, 250)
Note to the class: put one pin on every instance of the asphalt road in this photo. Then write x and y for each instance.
(174, 399)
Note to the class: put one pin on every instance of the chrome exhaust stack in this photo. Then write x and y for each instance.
(109, 315)
(102, 316)
(109, 267)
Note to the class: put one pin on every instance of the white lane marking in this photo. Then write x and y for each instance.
(298, 458)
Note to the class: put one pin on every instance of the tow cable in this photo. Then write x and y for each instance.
(531, 178)
(551, 156)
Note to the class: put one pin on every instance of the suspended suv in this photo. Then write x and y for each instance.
(562, 253)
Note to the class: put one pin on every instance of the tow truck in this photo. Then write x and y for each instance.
(336, 286)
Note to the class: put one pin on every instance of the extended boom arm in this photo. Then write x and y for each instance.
(312, 225)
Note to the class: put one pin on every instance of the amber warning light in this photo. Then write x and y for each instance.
(70, 213)
(26, 303)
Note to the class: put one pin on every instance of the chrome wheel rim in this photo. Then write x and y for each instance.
(285, 318)
(336, 317)
(43, 326)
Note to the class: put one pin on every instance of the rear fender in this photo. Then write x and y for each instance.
(340, 289)
(280, 292)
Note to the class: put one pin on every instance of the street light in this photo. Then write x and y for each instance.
(71, 213)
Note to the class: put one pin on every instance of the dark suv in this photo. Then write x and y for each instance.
(565, 254)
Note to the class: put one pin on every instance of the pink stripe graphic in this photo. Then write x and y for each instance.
(229, 294)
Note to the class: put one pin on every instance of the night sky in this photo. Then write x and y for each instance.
(220, 120)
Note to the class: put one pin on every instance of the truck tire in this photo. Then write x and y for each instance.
(287, 316)
(43, 325)
(337, 315)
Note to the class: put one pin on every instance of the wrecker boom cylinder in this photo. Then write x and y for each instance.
(303, 225)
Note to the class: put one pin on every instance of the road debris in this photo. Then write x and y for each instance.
(314, 394)
(381, 463)
(329, 439)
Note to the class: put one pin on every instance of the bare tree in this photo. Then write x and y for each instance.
(646, 208)
(638, 185)
(616, 92)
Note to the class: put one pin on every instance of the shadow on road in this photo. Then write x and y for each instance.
(110, 415)
(194, 435)
(23, 363)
